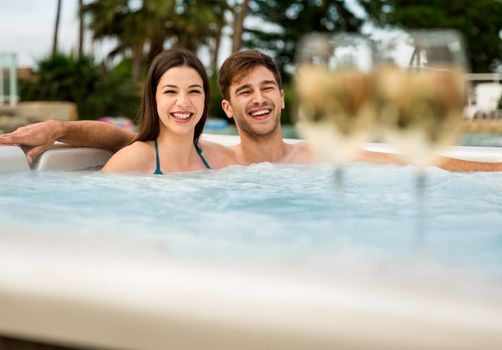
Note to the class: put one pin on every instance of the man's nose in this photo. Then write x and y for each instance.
(257, 97)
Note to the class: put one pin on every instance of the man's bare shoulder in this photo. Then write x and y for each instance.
(137, 157)
(300, 153)
(217, 155)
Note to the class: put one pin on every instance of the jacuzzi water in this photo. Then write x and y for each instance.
(288, 212)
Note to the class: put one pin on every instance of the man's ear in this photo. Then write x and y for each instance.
(283, 105)
(227, 108)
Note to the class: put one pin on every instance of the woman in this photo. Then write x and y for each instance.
(172, 116)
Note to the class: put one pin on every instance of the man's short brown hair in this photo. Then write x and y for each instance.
(239, 64)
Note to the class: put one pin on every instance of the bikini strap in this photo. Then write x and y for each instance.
(199, 152)
(157, 159)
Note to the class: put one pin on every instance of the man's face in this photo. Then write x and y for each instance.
(255, 103)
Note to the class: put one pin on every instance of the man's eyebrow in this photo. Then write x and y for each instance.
(242, 87)
(266, 82)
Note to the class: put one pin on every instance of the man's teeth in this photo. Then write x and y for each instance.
(260, 112)
(181, 115)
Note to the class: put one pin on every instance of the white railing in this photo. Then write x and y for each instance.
(8, 92)
(485, 96)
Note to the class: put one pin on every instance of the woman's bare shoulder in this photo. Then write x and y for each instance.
(217, 155)
(137, 157)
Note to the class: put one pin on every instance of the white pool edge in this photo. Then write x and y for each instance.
(105, 291)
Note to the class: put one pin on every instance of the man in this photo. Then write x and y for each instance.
(250, 84)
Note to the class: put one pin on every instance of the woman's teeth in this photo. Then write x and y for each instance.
(181, 115)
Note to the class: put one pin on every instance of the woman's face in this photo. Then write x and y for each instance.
(180, 99)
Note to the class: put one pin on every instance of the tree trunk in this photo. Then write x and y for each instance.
(239, 26)
(156, 47)
(81, 28)
(56, 29)
(216, 50)
(137, 58)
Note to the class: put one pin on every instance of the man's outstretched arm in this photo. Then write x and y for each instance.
(37, 138)
(446, 163)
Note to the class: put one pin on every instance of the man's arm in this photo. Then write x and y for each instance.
(37, 138)
(446, 163)
(453, 164)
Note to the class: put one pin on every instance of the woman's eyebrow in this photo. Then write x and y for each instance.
(175, 86)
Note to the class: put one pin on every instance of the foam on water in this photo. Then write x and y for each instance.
(265, 211)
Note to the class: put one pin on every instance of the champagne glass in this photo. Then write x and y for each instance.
(419, 98)
(420, 93)
(333, 88)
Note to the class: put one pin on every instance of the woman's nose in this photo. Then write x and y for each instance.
(183, 100)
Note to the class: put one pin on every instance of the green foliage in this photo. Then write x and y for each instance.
(215, 110)
(287, 117)
(479, 21)
(150, 24)
(290, 19)
(96, 91)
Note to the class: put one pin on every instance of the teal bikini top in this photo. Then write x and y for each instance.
(157, 159)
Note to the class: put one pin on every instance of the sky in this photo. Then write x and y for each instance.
(27, 28)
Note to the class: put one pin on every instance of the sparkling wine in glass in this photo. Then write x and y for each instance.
(333, 91)
(420, 93)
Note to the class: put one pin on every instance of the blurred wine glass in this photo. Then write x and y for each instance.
(333, 91)
(420, 93)
(419, 98)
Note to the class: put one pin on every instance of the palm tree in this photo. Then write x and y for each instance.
(80, 28)
(187, 23)
(56, 29)
(239, 15)
(115, 19)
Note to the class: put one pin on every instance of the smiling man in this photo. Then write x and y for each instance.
(250, 84)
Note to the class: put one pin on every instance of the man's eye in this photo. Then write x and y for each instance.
(268, 88)
(244, 92)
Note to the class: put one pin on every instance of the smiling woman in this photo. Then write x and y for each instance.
(173, 113)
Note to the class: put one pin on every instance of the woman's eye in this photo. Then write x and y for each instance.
(195, 92)
(170, 92)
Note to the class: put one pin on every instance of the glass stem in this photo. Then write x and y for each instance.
(339, 175)
(421, 214)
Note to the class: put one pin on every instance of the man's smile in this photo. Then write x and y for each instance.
(260, 113)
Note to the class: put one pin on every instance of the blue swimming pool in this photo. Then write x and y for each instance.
(277, 212)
